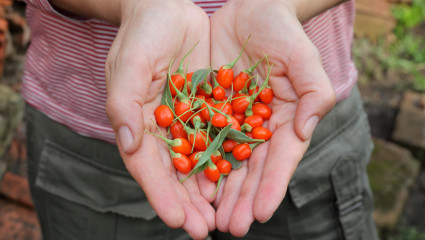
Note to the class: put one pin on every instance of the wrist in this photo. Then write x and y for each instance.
(306, 10)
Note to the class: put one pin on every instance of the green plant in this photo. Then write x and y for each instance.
(410, 233)
(408, 16)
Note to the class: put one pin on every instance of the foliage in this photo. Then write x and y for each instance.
(410, 234)
(405, 54)
(408, 16)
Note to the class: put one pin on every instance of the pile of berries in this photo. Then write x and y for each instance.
(214, 126)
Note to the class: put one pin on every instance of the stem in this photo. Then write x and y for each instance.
(253, 145)
(166, 140)
(180, 68)
(251, 69)
(232, 64)
(218, 184)
(245, 86)
(185, 81)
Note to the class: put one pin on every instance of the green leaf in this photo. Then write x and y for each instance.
(218, 141)
(240, 137)
(198, 76)
(235, 163)
(195, 170)
(203, 160)
(167, 98)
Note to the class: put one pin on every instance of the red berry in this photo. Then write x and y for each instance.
(261, 133)
(177, 130)
(224, 107)
(266, 95)
(254, 121)
(201, 142)
(241, 103)
(254, 91)
(235, 123)
(178, 81)
(225, 77)
(181, 145)
(242, 151)
(240, 81)
(219, 93)
(240, 117)
(164, 116)
(219, 120)
(182, 163)
(216, 156)
(228, 145)
(194, 158)
(212, 172)
(263, 110)
(224, 166)
(181, 110)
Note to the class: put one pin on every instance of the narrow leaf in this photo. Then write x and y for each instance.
(167, 98)
(195, 170)
(218, 141)
(198, 76)
(240, 137)
(235, 163)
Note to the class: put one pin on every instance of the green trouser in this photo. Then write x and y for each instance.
(82, 190)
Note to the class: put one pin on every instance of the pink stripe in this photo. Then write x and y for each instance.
(64, 75)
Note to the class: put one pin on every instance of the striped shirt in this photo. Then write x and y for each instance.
(64, 73)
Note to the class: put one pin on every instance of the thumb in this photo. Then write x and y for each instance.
(127, 88)
(313, 87)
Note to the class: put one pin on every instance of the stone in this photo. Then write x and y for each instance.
(392, 171)
(415, 207)
(3, 168)
(410, 122)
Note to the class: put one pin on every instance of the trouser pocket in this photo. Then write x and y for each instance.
(79, 180)
(346, 179)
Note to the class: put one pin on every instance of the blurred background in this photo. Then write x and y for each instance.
(389, 52)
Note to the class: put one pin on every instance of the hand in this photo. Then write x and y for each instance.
(151, 34)
(303, 95)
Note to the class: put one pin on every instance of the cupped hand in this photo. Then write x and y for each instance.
(303, 95)
(151, 34)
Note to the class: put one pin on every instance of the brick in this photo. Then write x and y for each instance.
(16, 188)
(18, 222)
(373, 19)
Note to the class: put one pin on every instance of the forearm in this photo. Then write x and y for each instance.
(107, 10)
(306, 9)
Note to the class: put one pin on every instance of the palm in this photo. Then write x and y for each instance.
(256, 190)
(137, 66)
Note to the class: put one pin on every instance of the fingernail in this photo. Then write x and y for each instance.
(309, 126)
(125, 138)
(266, 220)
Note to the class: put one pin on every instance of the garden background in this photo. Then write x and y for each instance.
(389, 52)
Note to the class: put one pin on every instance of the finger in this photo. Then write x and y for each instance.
(206, 187)
(147, 168)
(230, 197)
(312, 85)
(128, 77)
(284, 153)
(194, 223)
(243, 215)
(219, 194)
(203, 206)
